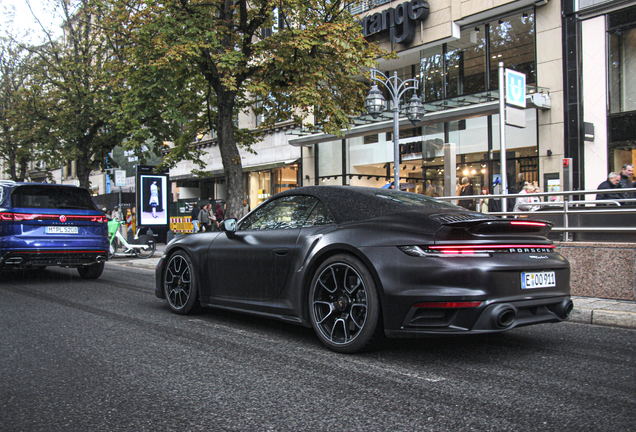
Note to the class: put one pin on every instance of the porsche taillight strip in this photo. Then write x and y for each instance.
(8, 216)
(528, 223)
(471, 249)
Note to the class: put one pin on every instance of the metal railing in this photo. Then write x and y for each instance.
(567, 204)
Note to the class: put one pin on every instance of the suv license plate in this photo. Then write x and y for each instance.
(538, 280)
(62, 230)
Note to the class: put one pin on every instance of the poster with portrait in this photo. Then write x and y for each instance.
(153, 200)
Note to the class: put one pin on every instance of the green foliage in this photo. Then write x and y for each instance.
(191, 66)
(17, 137)
(73, 94)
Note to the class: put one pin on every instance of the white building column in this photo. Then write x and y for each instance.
(594, 99)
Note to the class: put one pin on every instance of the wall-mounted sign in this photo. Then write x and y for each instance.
(400, 21)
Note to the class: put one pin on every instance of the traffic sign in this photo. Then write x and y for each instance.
(120, 178)
(515, 88)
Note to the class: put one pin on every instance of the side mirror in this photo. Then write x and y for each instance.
(229, 226)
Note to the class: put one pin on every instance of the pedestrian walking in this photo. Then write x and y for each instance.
(195, 218)
(204, 219)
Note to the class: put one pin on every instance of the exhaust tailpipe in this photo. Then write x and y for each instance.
(564, 309)
(503, 316)
(100, 259)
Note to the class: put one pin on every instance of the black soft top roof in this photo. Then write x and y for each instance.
(353, 203)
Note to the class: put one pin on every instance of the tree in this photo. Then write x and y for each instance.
(17, 136)
(76, 99)
(191, 65)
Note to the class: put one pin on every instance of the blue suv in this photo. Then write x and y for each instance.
(51, 225)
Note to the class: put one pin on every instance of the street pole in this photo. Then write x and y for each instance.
(502, 136)
(374, 103)
(396, 137)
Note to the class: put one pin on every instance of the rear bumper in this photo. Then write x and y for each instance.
(489, 317)
(21, 259)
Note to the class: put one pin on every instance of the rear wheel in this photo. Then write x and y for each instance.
(180, 284)
(150, 249)
(92, 271)
(344, 305)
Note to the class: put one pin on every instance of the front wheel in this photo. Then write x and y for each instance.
(344, 305)
(180, 284)
(149, 250)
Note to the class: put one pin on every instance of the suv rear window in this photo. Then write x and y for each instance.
(51, 197)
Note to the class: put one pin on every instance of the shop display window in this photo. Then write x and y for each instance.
(622, 64)
(512, 41)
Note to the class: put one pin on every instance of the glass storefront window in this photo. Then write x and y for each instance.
(259, 188)
(466, 63)
(512, 42)
(622, 64)
(285, 178)
(432, 74)
(330, 158)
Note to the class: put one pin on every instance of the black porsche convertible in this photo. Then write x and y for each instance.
(357, 264)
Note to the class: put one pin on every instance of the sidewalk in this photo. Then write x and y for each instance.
(587, 310)
(597, 311)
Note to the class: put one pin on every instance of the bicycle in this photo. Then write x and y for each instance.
(142, 246)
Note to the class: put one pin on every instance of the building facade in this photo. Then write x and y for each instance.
(576, 54)
(600, 91)
(455, 54)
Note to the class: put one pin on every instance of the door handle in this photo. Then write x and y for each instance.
(280, 251)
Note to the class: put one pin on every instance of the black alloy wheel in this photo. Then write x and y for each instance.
(179, 284)
(344, 305)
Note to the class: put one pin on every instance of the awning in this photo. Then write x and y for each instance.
(454, 109)
(250, 168)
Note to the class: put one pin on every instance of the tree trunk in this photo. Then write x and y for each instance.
(230, 156)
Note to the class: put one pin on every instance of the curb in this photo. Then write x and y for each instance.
(604, 318)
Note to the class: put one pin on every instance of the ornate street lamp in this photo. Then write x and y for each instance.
(375, 105)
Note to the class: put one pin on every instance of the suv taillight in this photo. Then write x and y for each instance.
(6, 216)
(101, 219)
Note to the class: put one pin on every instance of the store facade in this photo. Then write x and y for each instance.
(273, 166)
(600, 37)
(455, 53)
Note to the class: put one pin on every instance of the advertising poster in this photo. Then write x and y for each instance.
(153, 200)
(555, 186)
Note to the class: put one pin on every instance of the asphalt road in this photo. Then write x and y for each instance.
(106, 355)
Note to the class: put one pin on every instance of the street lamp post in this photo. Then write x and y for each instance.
(375, 105)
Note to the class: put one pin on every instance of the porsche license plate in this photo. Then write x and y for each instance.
(62, 230)
(538, 280)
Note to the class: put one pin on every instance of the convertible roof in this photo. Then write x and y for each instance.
(352, 203)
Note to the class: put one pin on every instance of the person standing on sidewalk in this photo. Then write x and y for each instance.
(613, 186)
(195, 219)
(204, 219)
(626, 181)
